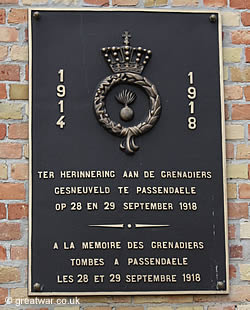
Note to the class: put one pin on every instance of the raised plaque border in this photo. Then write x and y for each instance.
(219, 22)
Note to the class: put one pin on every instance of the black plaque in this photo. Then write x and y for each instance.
(127, 190)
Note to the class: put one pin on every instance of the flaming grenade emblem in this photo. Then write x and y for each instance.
(127, 63)
(126, 97)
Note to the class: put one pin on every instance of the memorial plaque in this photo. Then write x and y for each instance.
(127, 180)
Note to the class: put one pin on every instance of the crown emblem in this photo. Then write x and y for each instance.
(126, 58)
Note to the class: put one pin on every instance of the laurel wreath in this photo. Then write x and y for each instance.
(103, 117)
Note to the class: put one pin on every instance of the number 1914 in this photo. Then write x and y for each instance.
(61, 93)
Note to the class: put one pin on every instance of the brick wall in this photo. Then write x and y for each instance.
(14, 155)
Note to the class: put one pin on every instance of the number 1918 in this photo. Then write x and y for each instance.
(191, 277)
(191, 94)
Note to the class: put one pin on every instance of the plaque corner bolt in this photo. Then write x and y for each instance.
(36, 15)
(213, 18)
(220, 285)
(37, 287)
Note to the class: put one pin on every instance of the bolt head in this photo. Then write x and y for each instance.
(36, 15)
(37, 286)
(213, 18)
(220, 285)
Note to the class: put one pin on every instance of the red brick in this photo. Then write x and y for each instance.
(230, 150)
(241, 37)
(247, 93)
(8, 34)
(232, 272)
(10, 231)
(9, 73)
(244, 191)
(249, 171)
(240, 4)
(215, 3)
(233, 92)
(2, 131)
(17, 16)
(241, 111)
(3, 92)
(235, 251)
(8, 1)
(38, 308)
(12, 191)
(226, 112)
(10, 150)
(221, 308)
(2, 253)
(2, 16)
(3, 295)
(19, 171)
(2, 211)
(98, 2)
(18, 253)
(245, 18)
(26, 34)
(237, 210)
(27, 72)
(3, 52)
(231, 231)
(247, 53)
(17, 211)
(18, 131)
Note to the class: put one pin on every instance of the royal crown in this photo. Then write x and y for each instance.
(126, 58)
